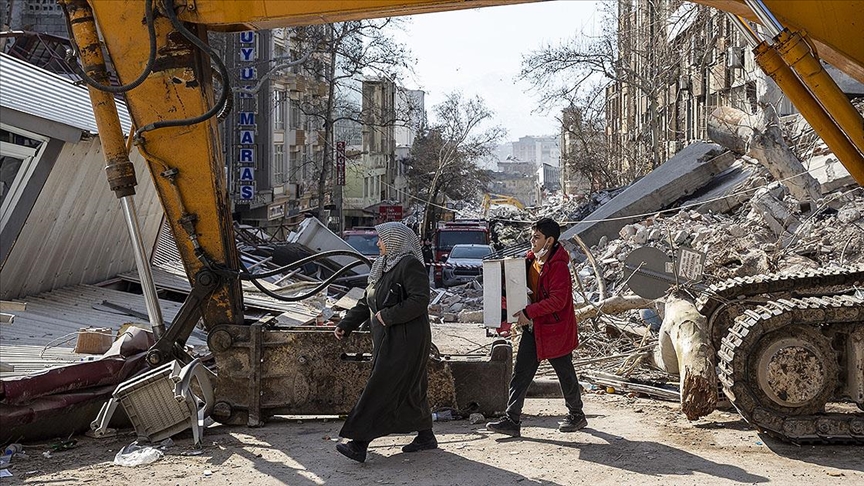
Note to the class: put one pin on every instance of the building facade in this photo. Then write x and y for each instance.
(539, 150)
(376, 183)
(679, 61)
(273, 150)
(43, 16)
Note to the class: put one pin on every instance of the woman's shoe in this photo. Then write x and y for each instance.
(352, 451)
(419, 444)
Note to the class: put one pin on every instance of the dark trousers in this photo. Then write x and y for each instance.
(525, 369)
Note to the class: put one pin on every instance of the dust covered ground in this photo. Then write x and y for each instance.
(627, 441)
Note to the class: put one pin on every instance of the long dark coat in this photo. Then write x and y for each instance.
(394, 400)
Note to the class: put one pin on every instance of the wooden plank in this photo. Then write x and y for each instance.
(517, 286)
(12, 306)
(492, 293)
(350, 299)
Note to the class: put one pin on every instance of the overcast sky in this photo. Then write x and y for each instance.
(479, 51)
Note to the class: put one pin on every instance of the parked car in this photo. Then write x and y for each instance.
(464, 263)
(364, 239)
(460, 232)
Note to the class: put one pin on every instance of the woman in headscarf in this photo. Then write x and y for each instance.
(396, 303)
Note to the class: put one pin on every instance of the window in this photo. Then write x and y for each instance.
(295, 115)
(19, 154)
(292, 166)
(463, 251)
(278, 163)
(296, 67)
(278, 53)
(366, 244)
(279, 98)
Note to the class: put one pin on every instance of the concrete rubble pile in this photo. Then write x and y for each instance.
(510, 225)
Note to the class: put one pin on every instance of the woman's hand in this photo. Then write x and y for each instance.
(339, 333)
(380, 319)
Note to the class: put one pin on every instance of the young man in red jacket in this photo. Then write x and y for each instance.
(549, 330)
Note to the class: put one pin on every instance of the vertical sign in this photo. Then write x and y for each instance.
(340, 163)
(246, 163)
(690, 264)
(248, 54)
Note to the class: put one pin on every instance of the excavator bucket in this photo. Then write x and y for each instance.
(304, 371)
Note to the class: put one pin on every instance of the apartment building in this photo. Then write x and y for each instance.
(273, 150)
(376, 183)
(539, 150)
(678, 62)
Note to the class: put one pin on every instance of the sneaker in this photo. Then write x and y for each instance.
(421, 445)
(572, 423)
(505, 426)
(352, 451)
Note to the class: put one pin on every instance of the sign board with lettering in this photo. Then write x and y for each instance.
(247, 192)
(389, 213)
(246, 127)
(340, 163)
(691, 263)
(275, 211)
(247, 174)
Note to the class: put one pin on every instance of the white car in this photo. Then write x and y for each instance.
(464, 264)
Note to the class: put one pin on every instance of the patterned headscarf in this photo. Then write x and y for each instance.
(400, 242)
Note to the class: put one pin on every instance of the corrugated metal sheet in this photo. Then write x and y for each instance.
(76, 232)
(35, 91)
(166, 250)
(170, 276)
(44, 335)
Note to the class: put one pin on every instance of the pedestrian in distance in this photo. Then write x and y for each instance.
(396, 303)
(426, 249)
(549, 331)
(428, 255)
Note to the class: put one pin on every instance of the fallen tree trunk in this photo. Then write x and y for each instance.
(684, 349)
(613, 305)
(762, 139)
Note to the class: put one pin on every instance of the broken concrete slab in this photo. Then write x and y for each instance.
(312, 234)
(729, 190)
(829, 172)
(684, 173)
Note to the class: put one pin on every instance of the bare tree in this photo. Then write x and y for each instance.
(343, 54)
(637, 57)
(445, 156)
(585, 154)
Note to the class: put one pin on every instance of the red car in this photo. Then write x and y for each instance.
(364, 239)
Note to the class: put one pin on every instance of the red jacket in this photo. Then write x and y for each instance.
(555, 329)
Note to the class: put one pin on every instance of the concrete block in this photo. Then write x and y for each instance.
(682, 175)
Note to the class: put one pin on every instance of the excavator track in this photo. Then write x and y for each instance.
(724, 301)
(785, 343)
(778, 367)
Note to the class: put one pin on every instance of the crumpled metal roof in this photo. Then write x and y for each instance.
(35, 91)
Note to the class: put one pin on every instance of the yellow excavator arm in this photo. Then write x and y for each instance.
(159, 47)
